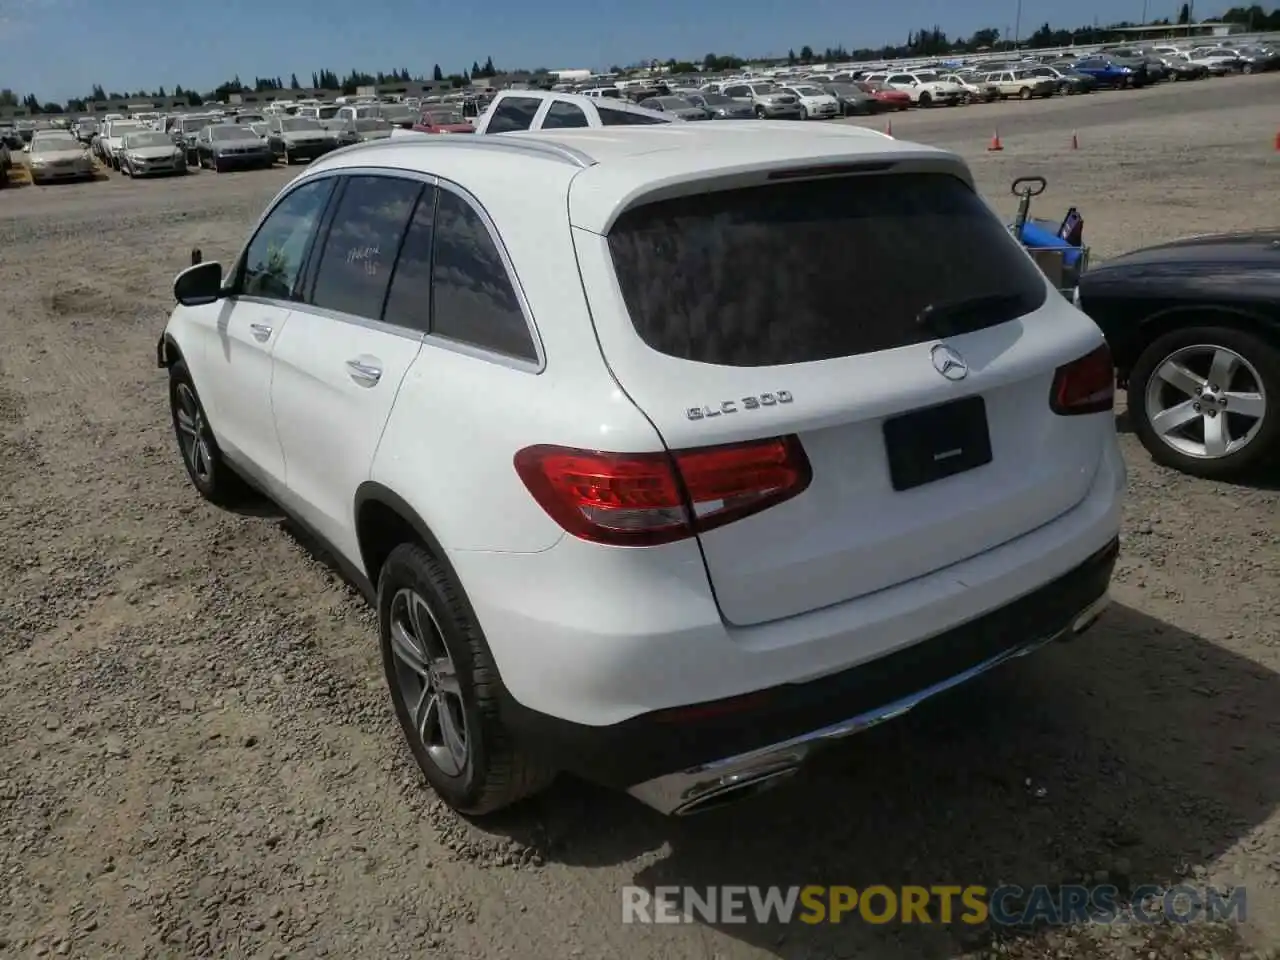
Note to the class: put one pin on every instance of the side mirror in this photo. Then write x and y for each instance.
(199, 284)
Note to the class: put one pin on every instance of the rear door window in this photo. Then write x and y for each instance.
(563, 114)
(815, 270)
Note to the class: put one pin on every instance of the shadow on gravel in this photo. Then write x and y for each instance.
(1139, 749)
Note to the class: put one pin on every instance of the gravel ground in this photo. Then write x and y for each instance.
(198, 759)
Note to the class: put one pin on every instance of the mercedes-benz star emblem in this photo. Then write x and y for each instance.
(949, 363)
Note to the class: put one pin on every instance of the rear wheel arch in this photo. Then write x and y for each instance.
(1150, 328)
(384, 520)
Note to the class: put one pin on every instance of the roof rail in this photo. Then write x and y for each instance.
(482, 141)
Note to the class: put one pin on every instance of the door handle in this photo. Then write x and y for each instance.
(261, 332)
(363, 373)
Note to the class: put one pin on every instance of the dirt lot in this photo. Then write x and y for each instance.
(198, 759)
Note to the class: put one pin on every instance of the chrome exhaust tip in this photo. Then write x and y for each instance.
(742, 788)
(1089, 615)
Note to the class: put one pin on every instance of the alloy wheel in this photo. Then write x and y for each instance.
(1206, 401)
(193, 434)
(428, 682)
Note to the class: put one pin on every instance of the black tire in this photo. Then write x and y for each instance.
(1025, 93)
(495, 774)
(1264, 444)
(213, 478)
(926, 100)
(760, 113)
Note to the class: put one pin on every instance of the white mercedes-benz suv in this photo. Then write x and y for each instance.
(662, 459)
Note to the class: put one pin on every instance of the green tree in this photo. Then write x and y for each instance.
(293, 82)
(8, 98)
(806, 54)
(1184, 14)
(436, 73)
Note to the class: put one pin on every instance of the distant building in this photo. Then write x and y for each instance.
(1178, 31)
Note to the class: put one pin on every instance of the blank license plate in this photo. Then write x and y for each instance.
(937, 442)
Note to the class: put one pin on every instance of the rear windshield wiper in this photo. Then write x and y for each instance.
(973, 313)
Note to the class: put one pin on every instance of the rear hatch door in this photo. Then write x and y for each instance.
(795, 309)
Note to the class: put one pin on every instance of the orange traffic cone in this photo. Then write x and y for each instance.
(888, 131)
(1075, 141)
(995, 141)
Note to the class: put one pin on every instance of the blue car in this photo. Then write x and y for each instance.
(1109, 73)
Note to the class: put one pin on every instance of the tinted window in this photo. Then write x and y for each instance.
(274, 256)
(513, 113)
(361, 246)
(618, 118)
(472, 297)
(409, 302)
(814, 270)
(563, 114)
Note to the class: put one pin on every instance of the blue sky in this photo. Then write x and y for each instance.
(59, 48)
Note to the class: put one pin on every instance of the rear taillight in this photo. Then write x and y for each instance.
(643, 499)
(1087, 385)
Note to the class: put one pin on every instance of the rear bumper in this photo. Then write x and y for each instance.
(678, 760)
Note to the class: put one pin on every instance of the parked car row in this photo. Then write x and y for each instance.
(148, 145)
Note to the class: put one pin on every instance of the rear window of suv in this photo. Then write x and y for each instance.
(818, 269)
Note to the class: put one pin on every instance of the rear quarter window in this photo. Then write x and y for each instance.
(814, 270)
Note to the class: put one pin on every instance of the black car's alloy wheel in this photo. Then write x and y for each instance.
(1204, 401)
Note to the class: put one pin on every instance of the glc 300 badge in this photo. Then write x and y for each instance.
(733, 406)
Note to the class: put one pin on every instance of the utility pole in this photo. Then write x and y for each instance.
(1017, 24)
(1144, 13)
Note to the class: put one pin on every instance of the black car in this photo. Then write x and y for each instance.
(853, 100)
(1194, 330)
(1069, 81)
(1181, 68)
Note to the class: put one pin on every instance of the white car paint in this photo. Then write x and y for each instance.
(842, 574)
(923, 87)
(814, 102)
(589, 111)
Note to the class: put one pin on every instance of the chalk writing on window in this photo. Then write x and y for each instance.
(368, 256)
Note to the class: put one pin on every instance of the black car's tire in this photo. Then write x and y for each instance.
(1151, 397)
(423, 616)
(209, 473)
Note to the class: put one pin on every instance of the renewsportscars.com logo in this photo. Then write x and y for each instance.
(944, 904)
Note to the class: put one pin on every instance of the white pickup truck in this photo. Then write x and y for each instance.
(515, 110)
